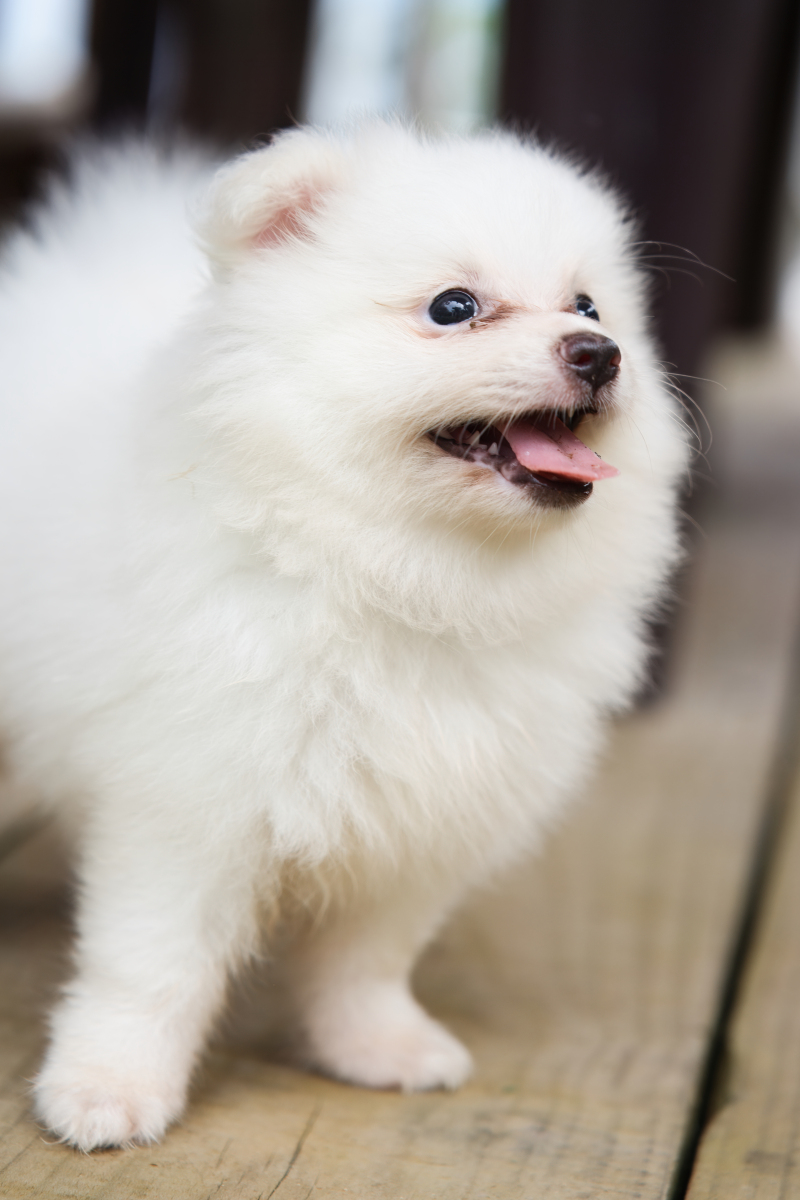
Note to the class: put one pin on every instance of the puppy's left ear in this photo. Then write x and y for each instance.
(269, 195)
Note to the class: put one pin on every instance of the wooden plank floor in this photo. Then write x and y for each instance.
(587, 984)
(751, 1147)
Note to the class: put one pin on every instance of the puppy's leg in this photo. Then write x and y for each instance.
(161, 920)
(362, 1022)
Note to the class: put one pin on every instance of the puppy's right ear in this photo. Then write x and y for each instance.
(268, 195)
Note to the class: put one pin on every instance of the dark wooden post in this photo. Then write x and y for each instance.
(236, 65)
(685, 106)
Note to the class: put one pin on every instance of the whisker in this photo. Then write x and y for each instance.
(690, 256)
(692, 409)
(690, 519)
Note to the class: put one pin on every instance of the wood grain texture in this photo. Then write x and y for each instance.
(751, 1148)
(585, 983)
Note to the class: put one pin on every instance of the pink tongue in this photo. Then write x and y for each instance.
(554, 449)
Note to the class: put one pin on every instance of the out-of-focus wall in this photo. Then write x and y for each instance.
(45, 87)
(433, 61)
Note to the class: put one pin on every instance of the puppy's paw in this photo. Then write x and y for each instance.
(380, 1037)
(91, 1108)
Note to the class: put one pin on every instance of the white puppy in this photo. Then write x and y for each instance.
(315, 606)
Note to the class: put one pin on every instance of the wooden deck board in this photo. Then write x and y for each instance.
(751, 1148)
(585, 983)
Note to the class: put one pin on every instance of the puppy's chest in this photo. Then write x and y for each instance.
(413, 706)
(386, 734)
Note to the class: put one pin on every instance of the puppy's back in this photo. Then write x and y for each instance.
(102, 273)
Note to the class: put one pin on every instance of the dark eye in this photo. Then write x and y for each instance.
(450, 308)
(584, 307)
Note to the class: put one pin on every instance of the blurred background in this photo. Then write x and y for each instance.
(688, 107)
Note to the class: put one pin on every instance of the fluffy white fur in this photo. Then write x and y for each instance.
(284, 661)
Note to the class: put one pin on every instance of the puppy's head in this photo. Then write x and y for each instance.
(423, 348)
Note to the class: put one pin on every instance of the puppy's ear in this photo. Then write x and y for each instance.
(268, 195)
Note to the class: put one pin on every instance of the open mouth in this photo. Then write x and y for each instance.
(539, 451)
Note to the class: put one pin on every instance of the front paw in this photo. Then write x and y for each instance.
(380, 1037)
(92, 1107)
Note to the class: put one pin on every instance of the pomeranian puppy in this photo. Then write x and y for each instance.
(334, 505)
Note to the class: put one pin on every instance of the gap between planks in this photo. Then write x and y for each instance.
(783, 801)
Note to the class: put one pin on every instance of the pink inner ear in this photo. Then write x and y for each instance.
(288, 221)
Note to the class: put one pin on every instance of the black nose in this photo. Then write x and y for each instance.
(591, 357)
